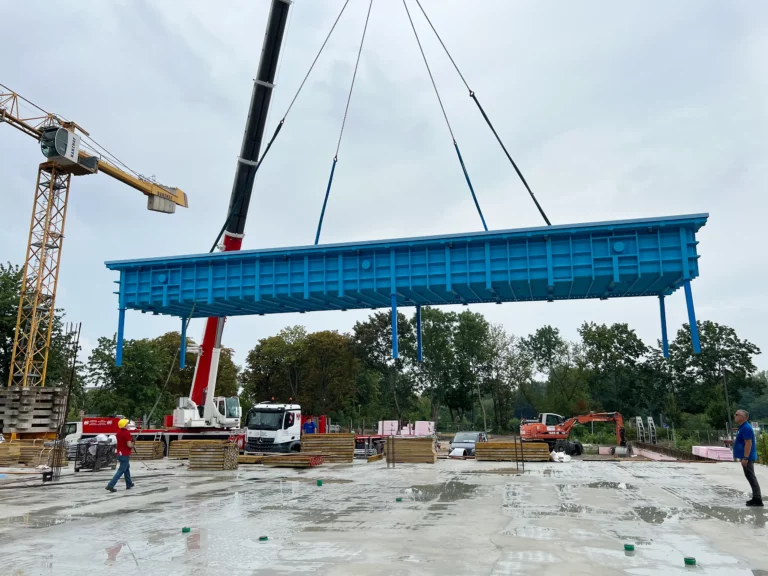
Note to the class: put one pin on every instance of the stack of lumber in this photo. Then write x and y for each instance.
(179, 449)
(335, 448)
(250, 459)
(147, 450)
(411, 450)
(512, 451)
(375, 457)
(37, 455)
(9, 454)
(213, 455)
(29, 450)
(293, 460)
(32, 409)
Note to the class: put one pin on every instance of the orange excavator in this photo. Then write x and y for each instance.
(554, 430)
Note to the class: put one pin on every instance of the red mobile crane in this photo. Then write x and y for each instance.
(202, 413)
(554, 430)
(200, 409)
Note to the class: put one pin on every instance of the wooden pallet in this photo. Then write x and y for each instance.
(375, 457)
(335, 448)
(411, 450)
(34, 409)
(179, 449)
(250, 459)
(293, 460)
(147, 450)
(213, 455)
(512, 451)
(9, 454)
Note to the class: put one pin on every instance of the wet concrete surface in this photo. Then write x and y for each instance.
(455, 517)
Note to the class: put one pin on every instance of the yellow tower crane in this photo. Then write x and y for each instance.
(61, 142)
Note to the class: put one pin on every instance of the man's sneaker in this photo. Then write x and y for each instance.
(110, 488)
(129, 486)
(755, 502)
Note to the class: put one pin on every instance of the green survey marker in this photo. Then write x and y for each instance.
(629, 547)
(690, 561)
(263, 538)
(319, 482)
(398, 499)
(185, 530)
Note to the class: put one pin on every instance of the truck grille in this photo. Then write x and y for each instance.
(260, 444)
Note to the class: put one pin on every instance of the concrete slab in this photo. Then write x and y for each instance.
(456, 517)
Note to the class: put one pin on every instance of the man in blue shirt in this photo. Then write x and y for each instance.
(745, 451)
(309, 426)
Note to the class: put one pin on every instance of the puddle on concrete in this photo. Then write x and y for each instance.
(450, 491)
(611, 486)
(754, 516)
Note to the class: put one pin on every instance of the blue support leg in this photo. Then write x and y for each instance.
(120, 334)
(394, 327)
(692, 317)
(664, 339)
(418, 334)
(183, 352)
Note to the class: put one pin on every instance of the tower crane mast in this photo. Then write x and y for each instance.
(60, 141)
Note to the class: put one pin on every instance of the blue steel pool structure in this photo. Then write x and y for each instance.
(618, 259)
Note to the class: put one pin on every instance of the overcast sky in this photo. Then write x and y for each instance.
(611, 109)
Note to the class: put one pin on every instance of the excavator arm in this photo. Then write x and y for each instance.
(615, 417)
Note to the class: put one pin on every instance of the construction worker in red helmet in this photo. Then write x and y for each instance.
(124, 447)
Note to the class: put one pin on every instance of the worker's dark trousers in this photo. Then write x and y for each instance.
(125, 468)
(749, 472)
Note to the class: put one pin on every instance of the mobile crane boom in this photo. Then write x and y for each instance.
(206, 369)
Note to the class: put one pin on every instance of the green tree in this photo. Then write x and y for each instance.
(562, 363)
(10, 289)
(497, 377)
(613, 355)
(472, 351)
(331, 373)
(436, 372)
(133, 388)
(700, 379)
(372, 344)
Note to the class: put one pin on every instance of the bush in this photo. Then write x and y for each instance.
(762, 448)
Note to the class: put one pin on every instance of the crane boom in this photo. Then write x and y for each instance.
(36, 125)
(206, 369)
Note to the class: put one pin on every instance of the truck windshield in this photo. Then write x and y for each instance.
(265, 419)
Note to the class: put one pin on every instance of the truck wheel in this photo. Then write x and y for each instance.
(561, 446)
(577, 449)
(295, 447)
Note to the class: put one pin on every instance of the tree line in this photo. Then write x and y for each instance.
(473, 374)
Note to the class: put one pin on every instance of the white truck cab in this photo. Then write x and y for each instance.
(73, 432)
(272, 427)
